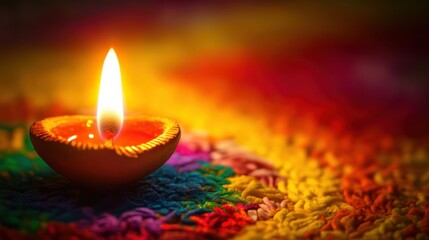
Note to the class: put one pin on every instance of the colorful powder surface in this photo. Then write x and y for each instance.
(296, 125)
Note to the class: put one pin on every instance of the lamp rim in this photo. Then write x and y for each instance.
(43, 130)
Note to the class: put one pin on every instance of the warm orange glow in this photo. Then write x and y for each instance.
(110, 110)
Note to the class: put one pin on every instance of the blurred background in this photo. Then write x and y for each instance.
(241, 69)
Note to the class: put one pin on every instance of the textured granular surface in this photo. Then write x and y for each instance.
(215, 188)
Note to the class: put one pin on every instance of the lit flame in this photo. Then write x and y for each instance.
(110, 110)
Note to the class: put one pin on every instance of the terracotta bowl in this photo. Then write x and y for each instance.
(71, 146)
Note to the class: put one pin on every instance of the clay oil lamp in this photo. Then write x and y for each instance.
(107, 150)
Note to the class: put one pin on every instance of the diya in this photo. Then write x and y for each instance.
(107, 150)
